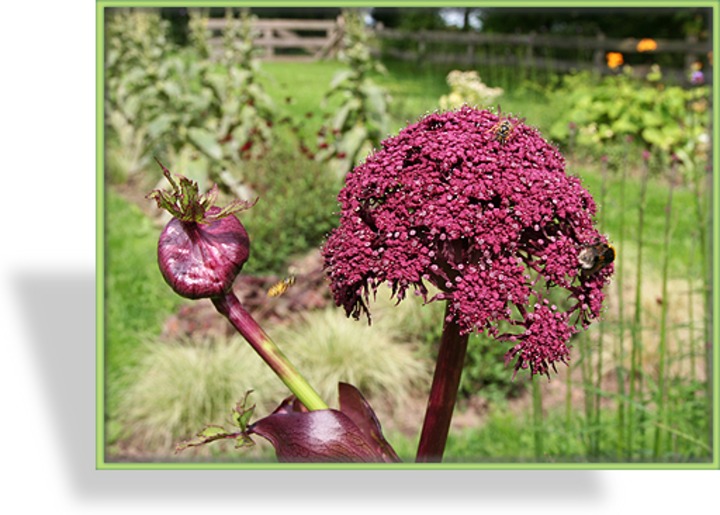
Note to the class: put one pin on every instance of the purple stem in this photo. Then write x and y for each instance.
(443, 393)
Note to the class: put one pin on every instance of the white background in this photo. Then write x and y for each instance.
(47, 115)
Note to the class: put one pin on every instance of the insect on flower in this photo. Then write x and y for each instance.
(593, 258)
(503, 130)
(280, 287)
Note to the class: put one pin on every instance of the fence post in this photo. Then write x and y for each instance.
(599, 55)
(530, 72)
(690, 57)
(270, 48)
(422, 47)
(470, 53)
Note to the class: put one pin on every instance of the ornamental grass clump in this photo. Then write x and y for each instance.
(479, 206)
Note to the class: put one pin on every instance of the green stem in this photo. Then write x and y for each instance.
(230, 307)
(660, 399)
(538, 420)
(443, 392)
(568, 401)
(691, 310)
(635, 330)
(620, 348)
(702, 211)
(597, 433)
(587, 382)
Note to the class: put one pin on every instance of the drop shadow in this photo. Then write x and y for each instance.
(59, 310)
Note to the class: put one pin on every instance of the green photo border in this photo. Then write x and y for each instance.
(101, 464)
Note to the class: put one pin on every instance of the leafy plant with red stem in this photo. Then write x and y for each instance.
(200, 252)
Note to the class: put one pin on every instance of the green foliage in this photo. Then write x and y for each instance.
(674, 24)
(360, 123)
(136, 297)
(241, 115)
(295, 210)
(616, 216)
(238, 122)
(508, 437)
(668, 118)
(485, 373)
(160, 98)
(409, 18)
(414, 91)
(136, 44)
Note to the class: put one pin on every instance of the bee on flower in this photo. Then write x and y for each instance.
(592, 258)
(503, 130)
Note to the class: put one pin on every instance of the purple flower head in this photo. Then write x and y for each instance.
(697, 78)
(495, 224)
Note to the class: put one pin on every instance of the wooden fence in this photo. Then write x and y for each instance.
(316, 39)
(533, 51)
(290, 39)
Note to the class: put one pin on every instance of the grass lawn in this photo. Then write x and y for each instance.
(137, 300)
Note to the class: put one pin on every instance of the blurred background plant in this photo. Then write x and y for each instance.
(669, 118)
(205, 116)
(467, 88)
(238, 122)
(361, 120)
(144, 72)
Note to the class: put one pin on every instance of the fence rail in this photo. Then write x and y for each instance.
(316, 39)
(531, 49)
(311, 39)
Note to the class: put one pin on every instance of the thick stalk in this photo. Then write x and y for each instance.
(443, 393)
(230, 307)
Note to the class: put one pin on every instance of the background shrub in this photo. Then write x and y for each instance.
(296, 208)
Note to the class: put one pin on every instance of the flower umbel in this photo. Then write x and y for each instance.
(495, 224)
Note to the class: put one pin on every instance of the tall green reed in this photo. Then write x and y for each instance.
(597, 435)
(538, 420)
(635, 388)
(702, 214)
(619, 354)
(660, 394)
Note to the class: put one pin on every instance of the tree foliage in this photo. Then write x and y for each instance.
(656, 23)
